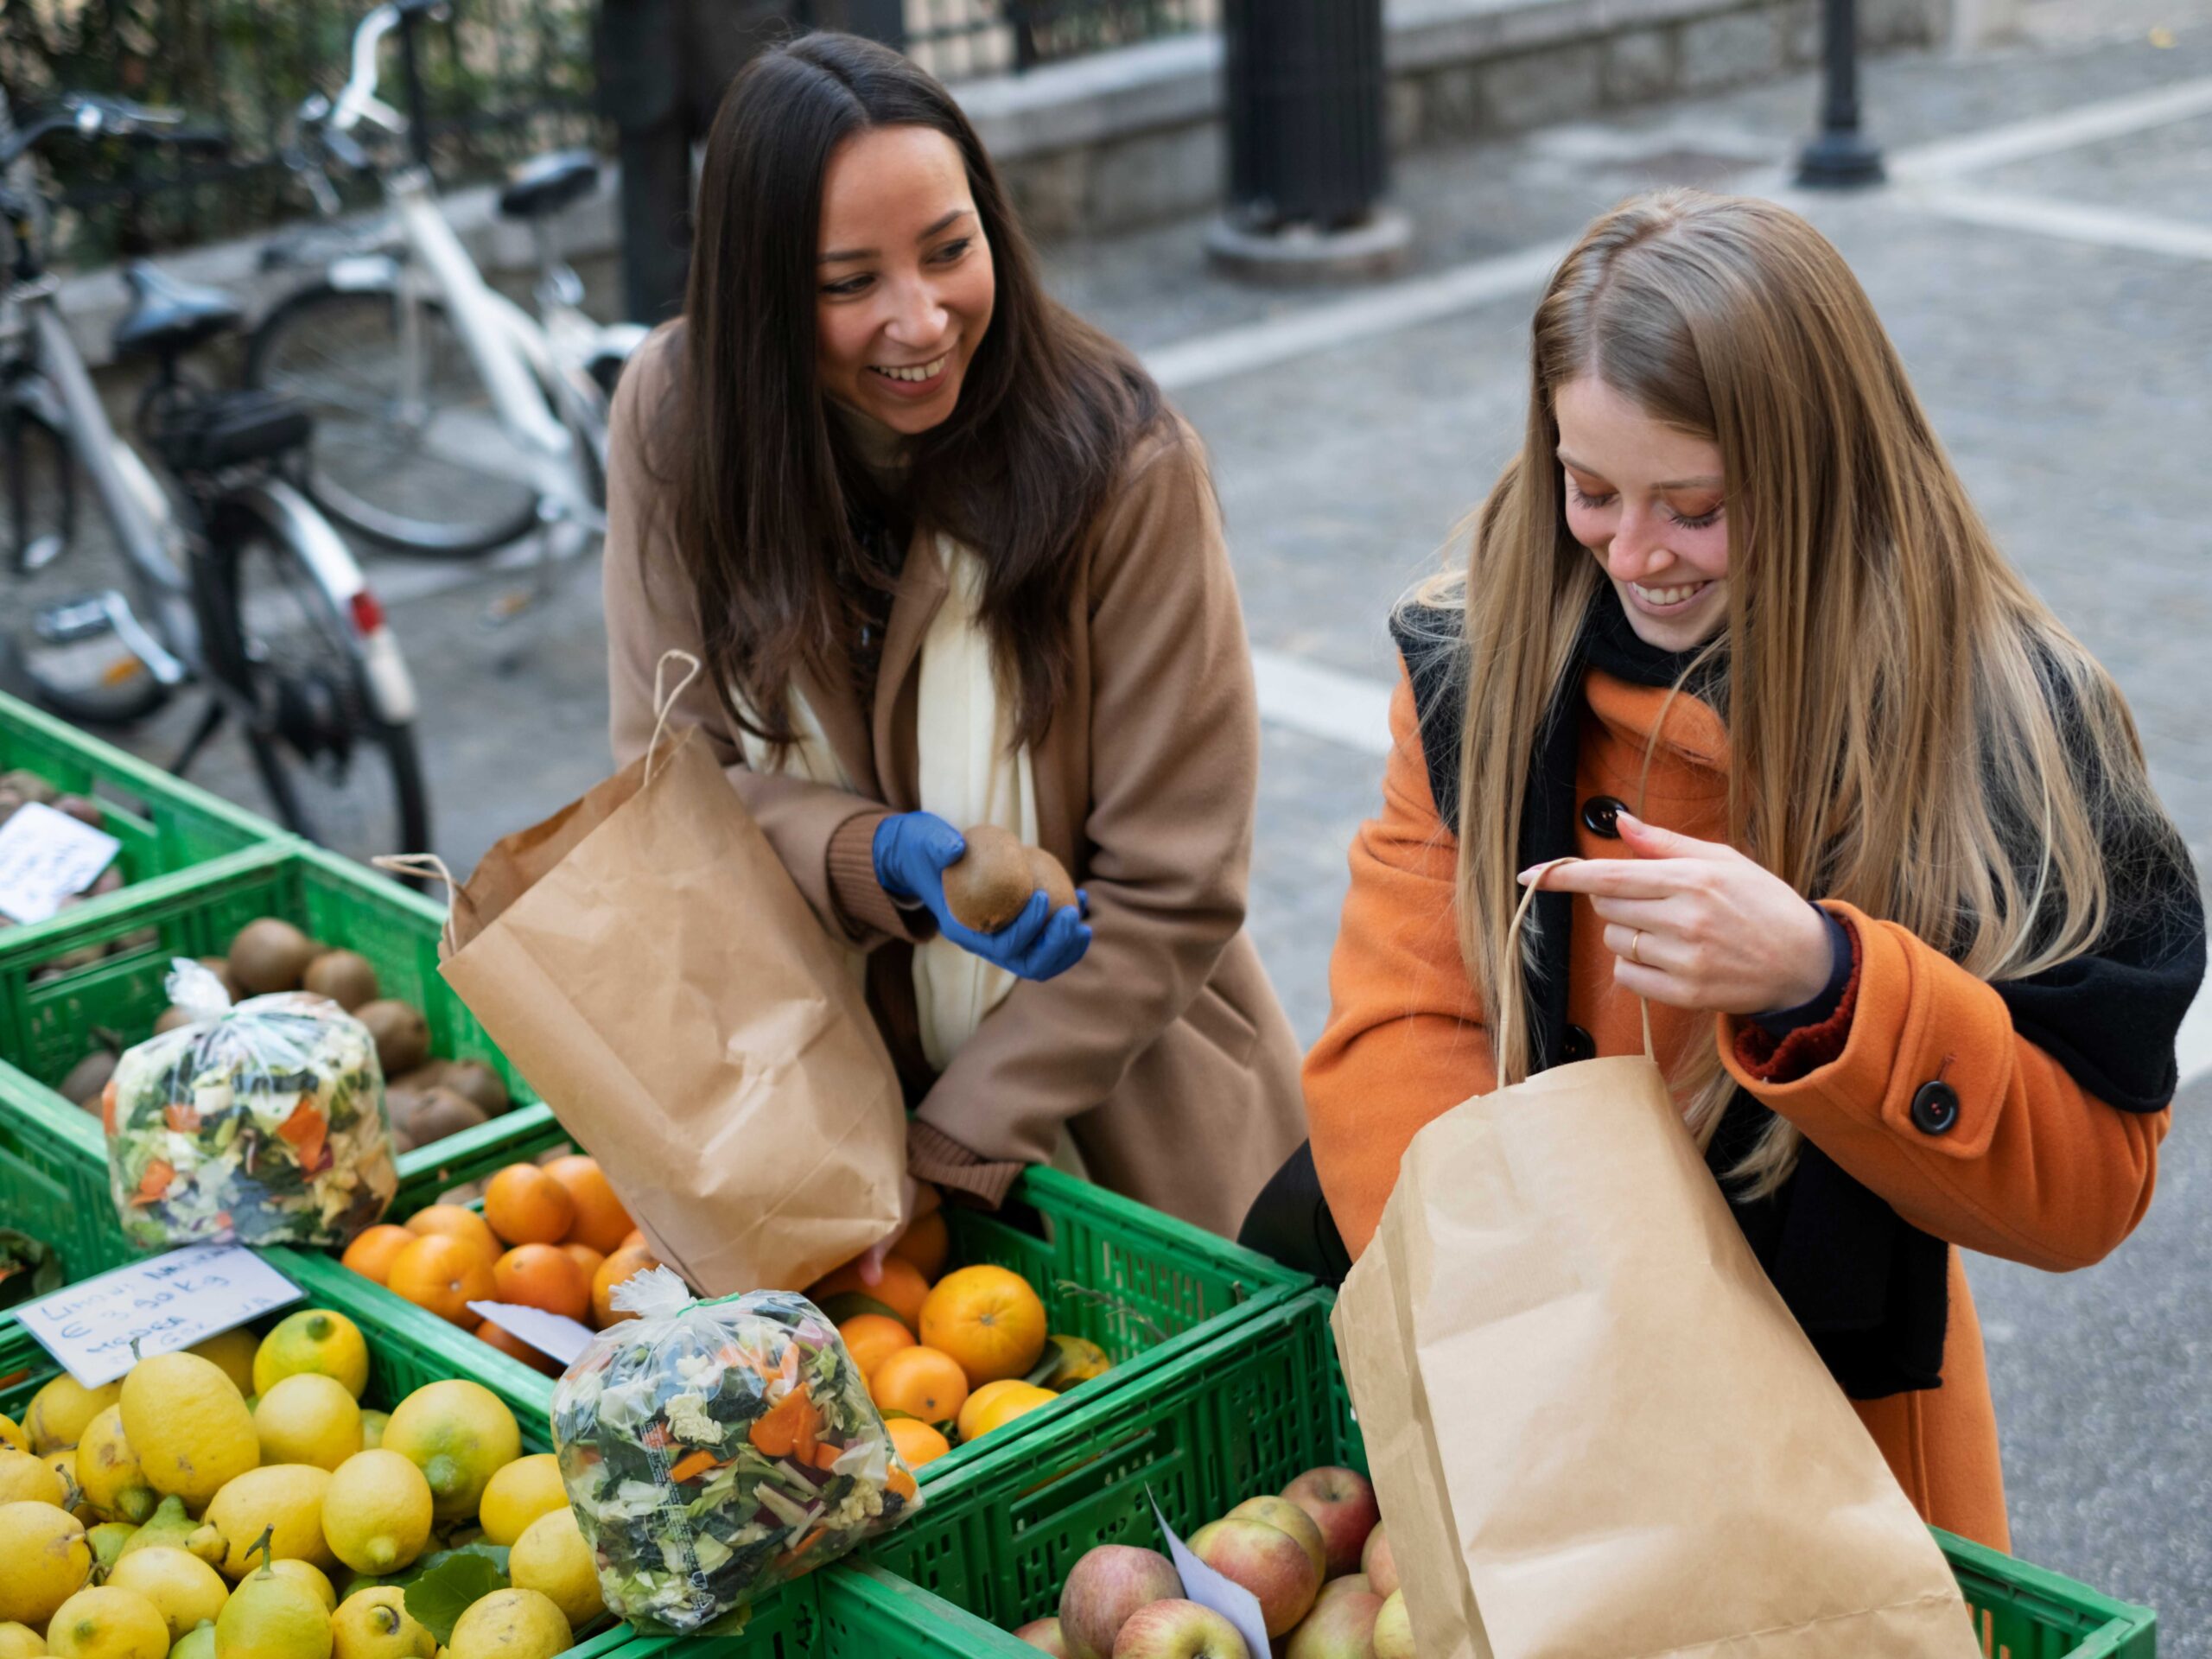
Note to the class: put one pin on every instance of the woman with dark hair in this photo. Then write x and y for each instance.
(949, 561)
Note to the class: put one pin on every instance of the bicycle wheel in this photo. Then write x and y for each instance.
(334, 768)
(407, 449)
(68, 578)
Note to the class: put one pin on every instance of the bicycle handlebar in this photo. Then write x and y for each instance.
(90, 115)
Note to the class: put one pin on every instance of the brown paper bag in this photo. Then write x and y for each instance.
(647, 963)
(1595, 1430)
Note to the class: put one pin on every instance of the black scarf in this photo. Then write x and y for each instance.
(1870, 1289)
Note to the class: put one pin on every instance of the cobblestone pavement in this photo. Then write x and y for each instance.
(2063, 355)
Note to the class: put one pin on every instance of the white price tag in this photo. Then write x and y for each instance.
(554, 1335)
(47, 856)
(100, 1328)
(1208, 1588)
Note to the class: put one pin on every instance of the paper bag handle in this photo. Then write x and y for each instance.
(1508, 1007)
(664, 700)
(427, 864)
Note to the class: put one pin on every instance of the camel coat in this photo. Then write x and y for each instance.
(2035, 1168)
(1164, 1052)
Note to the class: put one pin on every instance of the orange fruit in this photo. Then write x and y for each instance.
(1017, 1402)
(372, 1253)
(631, 1259)
(542, 1276)
(444, 1274)
(916, 1443)
(585, 1257)
(902, 1288)
(970, 1423)
(635, 1236)
(988, 1319)
(456, 1221)
(920, 1381)
(871, 1338)
(525, 1205)
(600, 1220)
(515, 1348)
(925, 1244)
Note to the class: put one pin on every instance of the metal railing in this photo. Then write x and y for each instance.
(956, 38)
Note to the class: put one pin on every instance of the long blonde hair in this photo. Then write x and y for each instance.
(1910, 728)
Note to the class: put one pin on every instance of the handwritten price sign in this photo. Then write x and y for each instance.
(100, 1328)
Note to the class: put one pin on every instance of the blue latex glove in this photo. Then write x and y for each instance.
(912, 850)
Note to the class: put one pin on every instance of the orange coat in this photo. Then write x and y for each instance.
(2035, 1169)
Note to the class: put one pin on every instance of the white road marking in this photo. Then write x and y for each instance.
(1323, 702)
(2068, 221)
(2046, 135)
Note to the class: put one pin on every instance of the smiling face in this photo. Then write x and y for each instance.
(904, 285)
(1645, 497)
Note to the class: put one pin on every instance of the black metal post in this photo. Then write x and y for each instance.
(1840, 156)
(418, 102)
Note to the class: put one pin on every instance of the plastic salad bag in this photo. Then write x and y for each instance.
(714, 1450)
(259, 1124)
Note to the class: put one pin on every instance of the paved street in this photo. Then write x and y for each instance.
(2050, 287)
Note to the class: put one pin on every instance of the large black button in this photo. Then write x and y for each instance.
(1935, 1107)
(1598, 813)
(1577, 1044)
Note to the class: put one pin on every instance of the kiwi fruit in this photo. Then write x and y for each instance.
(88, 1078)
(81, 808)
(270, 955)
(991, 883)
(171, 1018)
(401, 1140)
(30, 786)
(474, 1081)
(424, 1079)
(401, 1035)
(345, 978)
(401, 1102)
(443, 1113)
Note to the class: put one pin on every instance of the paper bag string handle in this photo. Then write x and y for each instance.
(664, 699)
(1510, 1007)
(427, 864)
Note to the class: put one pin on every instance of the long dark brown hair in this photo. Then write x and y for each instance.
(763, 485)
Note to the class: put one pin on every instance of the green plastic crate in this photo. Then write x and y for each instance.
(166, 825)
(1246, 1413)
(54, 1158)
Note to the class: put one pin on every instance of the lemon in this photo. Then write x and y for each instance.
(192, 1434)
(1079, 1360)
(197, 1644)
(552, 1558)
(375, 1624)
(28, 1480)
(313, 1577)
(1017, 1402)
(47, 1558)
(59, 1411)
(458, 1433)
(272, 1617)
(518, 1493)
(64, 1464)
(313, 1341)
(20, 1642)
(109, 1540)
(510, 1625)
(12, 1437)
(232, 1354)
(171, 1526)
(377, 1511)
(108, 1473)
(108, 1624)
(183, 1588)
(309, 1418)
(284, 1499)
(373, 1424)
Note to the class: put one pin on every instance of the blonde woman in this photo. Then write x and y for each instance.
(1731, 633)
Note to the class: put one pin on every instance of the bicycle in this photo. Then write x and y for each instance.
(448, 420)
(219, 573)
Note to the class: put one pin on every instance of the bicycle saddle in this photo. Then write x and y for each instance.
(167, 315)
(544, 185)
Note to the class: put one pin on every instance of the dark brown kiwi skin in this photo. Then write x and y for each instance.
(270, 955)
(474, 1081)
(443, 1113)
(992, 881)
(345, 978)
(403, 1037)
(88, 1077)
(1051, 875)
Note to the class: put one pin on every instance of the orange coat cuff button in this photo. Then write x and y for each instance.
(1935, 1107)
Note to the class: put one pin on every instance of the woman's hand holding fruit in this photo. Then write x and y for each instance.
(1016, 915)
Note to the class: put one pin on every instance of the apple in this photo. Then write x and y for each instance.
(1339, 1627)
(1175, 1628)
(1107, 1585)
(1285, 1516)
(1342, 1504)
(1350, 1584)
(1394, 1629)
(1045, 1634)
(1377, 1561)
(1267, 1561)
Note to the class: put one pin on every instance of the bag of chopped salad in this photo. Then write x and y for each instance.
(259, 1124)
(714, 1450)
